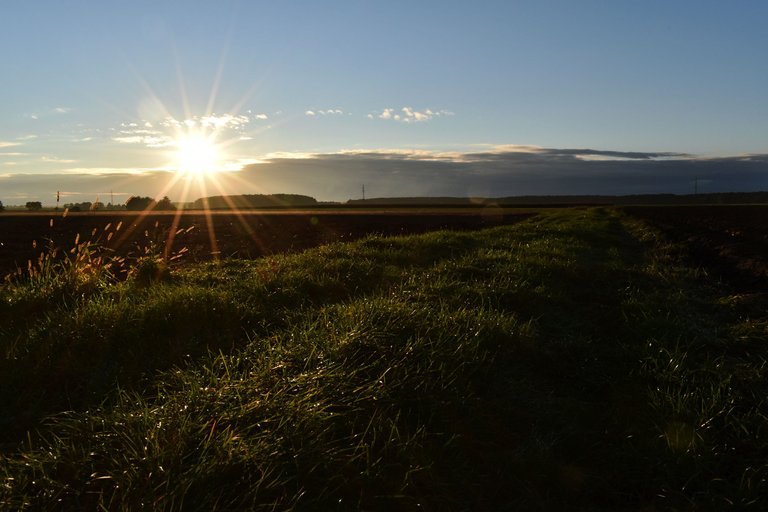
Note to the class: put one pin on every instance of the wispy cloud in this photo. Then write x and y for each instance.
(586, 155)
(219, 122)
(57, 160)
(326, 112)
(165, 133)
(260, 116)
(287, 155)
(151, 141)
(409, 115)
(211, 121)
(404, 154)
(102, 171)
(8, 144)
(55, 111)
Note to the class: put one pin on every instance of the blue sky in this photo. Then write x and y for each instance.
(91, 89)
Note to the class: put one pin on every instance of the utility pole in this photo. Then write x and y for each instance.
(363, 191)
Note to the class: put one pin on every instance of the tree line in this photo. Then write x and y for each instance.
(139, 203)
(134, 203)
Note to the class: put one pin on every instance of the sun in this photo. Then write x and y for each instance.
(197, 155)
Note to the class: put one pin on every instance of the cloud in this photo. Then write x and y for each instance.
(261, 116)
(492, 171)
(8, 144)
(151, 141)
(82, 184)
(500, 172)
(213, 122)
(409, 115)
(166, 132)
(326, 112)
(592, 154)
(219, 122)
(119, 171)
(564, 155)
(52, 112)
(406, 154)
(56, 160)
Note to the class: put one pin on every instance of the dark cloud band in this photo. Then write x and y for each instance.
(339, 176)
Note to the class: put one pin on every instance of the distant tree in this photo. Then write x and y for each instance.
(255, 201)
(34, 205)
(138, 203)
(1, 206)
(98, 205)
(164, 204)
(78, 207)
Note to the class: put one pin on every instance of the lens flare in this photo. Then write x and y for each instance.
(197, 155)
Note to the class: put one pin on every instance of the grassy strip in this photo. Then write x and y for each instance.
(568, 361)
(70, 333)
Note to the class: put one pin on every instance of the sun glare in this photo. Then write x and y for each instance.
(197, 155)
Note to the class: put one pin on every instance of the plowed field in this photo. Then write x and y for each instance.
(222, 234)
(729, 241)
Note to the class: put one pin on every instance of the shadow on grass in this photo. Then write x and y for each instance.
(565, 363)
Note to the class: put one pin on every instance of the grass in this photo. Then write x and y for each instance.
(572, 361)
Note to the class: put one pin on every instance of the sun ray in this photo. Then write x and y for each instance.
(182, 85)
(144, 213)
(174, 226)
(197, 154)
(219, 74)
(214, 243)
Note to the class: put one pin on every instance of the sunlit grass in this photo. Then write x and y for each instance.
(568, 362)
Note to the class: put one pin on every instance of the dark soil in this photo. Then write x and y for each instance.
(221, 234)
(730, 241)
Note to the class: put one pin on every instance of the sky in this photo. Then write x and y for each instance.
(114, 98)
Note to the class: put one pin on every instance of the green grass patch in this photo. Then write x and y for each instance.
(570, 361)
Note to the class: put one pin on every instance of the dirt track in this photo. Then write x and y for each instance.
(224, 234)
